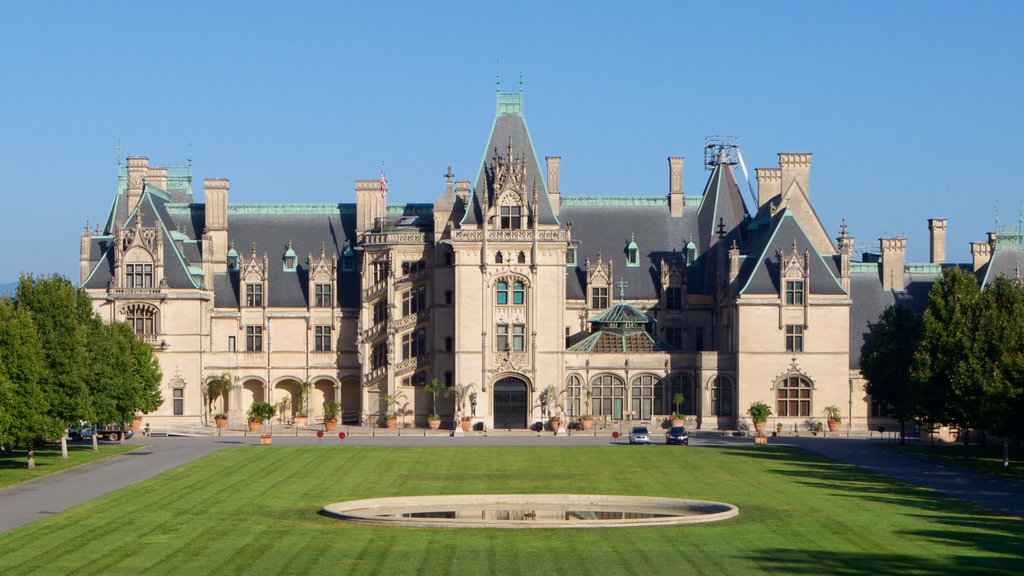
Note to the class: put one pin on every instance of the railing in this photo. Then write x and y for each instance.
(374, 331)
(524, 234)
(392, 237)
(411, 364)
(410, 320)
(376, 374)
(375, 290)
(414, 277)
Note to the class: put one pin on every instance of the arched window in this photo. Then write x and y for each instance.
(646, 397)
(498, 258)
(721, 397)
(518, 294)
(142, 319)
(609, 395)
(575, 404)
(502, 293)
(681, 384)
(522, 257)
(793, 397)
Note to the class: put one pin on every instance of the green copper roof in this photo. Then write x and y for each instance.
(621, 313)
(510, 103)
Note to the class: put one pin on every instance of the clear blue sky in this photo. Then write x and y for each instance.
(912, 109)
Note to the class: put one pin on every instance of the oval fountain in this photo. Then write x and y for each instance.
(531, 511)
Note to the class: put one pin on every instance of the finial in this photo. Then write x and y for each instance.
(321, 250)
(118, 148)
(997, 215)
(189, 153)
(622, 288)
(794, 244)
(254, 250)
(449, 175)
(842, 228)
(520, 82)
(497, 75)
(86, 231)
(632, 237)
(734, 246)
(721, 228)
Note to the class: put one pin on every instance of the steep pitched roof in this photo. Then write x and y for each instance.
(759, 274)
(722, 204)
(509, 129)
(1007, 255)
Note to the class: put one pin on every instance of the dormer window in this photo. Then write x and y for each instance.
(570, 256)
(138, 275)
(232, 258)
(511, 217)
(632, 253)
(289, 259)
(794, 292)
(691, 252)
(254, 295)
(348, 259)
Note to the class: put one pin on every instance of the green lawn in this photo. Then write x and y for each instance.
(13, 468)
(983, 458)
(253, 510)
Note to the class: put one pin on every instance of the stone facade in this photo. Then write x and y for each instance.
(509, 286)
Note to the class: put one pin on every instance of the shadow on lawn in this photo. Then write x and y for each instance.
(968, 531)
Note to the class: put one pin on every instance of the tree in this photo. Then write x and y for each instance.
(885, 361)
(216, 388)
(1001, 323)
(23, 408)
(63, 317)
(949, 364)
(125, 376)
(434, 388)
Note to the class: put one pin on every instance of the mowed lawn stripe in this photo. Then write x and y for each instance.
(253, 510)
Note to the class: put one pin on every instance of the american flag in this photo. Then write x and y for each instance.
(383, 184)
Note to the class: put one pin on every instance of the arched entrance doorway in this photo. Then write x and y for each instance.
(510, 403)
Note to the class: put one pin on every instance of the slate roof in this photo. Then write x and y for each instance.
(510, 126)
(607, 229)
(759, 273)
(722, 203)
(1007, 260)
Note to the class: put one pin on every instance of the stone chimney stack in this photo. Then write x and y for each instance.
(675, 185)
(462, 190)
(553, 164)
(769, 184)
(370, 204)
(894, 258)
(981, 253)
(138, 169)
(215, 233)
(83, 258)
(937, 227)
(795, 167)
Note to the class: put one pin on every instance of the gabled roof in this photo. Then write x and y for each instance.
(510, 128)
(722, 205)
(759, 274)
(1007, 255)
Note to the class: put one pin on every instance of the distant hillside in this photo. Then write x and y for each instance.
(8, 288)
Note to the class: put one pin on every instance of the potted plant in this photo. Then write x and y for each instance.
(832, 414)
(331, 411)
(759, 413)
(778, 428)
(818, 427)
(216, 388)
(434, 388)
(301, 415)
(391, 401)
(461, 393)
(220, 419)
(587, 419)
(678, 418)
(260, 412)
(551, 407)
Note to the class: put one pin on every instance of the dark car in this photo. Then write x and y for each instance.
(677, 435)
(80, 432)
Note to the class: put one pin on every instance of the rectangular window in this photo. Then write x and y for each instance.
(348, 263)
(879, 409)
(231, 343)
(674, 337)
(414, 344)
(795, 292)
(674, 298)
(518, 337)
(447, 296)
(254, 295)
(511, 217)
(380, 312)
(599, 297)
(138, 275)
(502, 293)
(447, 343)
(379, 356)
(179, 401)
(570, 256)
(501, 338)
(414, 300)
(518, 294)
(698, 339)
(323, 295)
(794, 338)
(254, 338)
(417, 379)
(323, 338)
(410, 267)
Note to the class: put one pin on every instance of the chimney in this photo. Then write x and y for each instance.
(157, 177)
(369, 204)
(215, 233)
(553, 194)
(83, 258)
(675, 185)
(769, 184)
(937, 227)
(138, 167)
(981, 252)
(795, 168)
(894, 257)
(462, 190)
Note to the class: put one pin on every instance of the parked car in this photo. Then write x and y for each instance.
(80, 432)
(640, 435)
(677, 435)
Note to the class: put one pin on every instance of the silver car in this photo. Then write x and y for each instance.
(640, 435)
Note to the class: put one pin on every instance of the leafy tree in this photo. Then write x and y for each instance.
(125, 376)
(885, 361)
(1001, 322)
(63, 317)
(23, 407)
(949, 364)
